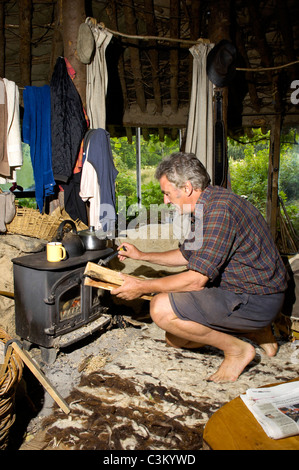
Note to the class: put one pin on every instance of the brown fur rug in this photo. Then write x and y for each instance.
(109, 412)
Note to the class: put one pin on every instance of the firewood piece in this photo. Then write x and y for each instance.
(105, 278)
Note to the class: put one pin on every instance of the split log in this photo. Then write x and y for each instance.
(105, 278)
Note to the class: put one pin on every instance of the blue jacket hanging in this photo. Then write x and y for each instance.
(37, 133)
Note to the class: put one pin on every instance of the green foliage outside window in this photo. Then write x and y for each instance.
(248, 171)
(248, 168)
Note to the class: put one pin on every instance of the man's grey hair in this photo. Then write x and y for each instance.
(181, 167)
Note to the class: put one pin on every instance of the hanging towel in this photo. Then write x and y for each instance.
(14, 141)
(68, 122)
(199, 136)
(7, 209)
(4, 165)
(97, 77)
(37, 133)
(90, 192)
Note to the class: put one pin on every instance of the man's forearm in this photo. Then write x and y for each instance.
(166, 258)
(182, 282)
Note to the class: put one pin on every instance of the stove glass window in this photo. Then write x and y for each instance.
(70, 303)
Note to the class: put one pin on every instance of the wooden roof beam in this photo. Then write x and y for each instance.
(174, 54)
(25, 30)
(249, 75)
(130, 18)
(149, 15)
(284, 23)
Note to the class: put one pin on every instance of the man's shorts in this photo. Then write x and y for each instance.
(226, 311)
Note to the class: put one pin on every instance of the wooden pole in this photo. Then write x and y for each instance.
(24, 355)
(2, 41)
(219, 28)
(25, 30)
(73, 14)
(273, 174)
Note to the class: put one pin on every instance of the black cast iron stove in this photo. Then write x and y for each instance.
(53, 307)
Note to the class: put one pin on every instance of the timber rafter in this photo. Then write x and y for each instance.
(153, 38)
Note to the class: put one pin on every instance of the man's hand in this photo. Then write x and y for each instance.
(126, 250)
(130, 289)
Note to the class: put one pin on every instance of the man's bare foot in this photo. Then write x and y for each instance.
(265, 339)
(233, 365)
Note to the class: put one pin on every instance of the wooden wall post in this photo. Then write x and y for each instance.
(219, 28)
(25, 30)
(73, 14)
(2, 41)
(273, 174)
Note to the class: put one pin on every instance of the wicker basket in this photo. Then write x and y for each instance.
(9, 381)
(32, 223)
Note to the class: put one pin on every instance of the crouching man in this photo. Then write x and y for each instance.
(234, 281)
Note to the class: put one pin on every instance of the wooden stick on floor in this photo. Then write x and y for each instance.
(24, 355)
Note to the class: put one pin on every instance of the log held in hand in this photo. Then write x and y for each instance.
(105, 278)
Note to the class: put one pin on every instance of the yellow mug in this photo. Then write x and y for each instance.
(55, 252)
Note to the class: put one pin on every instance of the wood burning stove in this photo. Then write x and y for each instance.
(53, 307)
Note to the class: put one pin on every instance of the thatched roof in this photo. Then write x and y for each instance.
(150, 79)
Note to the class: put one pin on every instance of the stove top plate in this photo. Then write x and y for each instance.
(39, 260)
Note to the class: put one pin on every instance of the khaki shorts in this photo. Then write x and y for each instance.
(226, 311)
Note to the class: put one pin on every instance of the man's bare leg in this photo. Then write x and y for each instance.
(237, 353)
(177, 342)
(265, 339)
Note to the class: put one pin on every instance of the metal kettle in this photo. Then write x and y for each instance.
(92, 240)
(70, 239)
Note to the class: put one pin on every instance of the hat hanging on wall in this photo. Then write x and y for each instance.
(85, 43)
(221, 63)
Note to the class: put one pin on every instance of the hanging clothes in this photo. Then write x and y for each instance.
(7, 209)
(4, 165)
(68, 122)
(97, 78)
(13, 128)
(199, 136)
(79, 162)
(73, 203)
(37, 133)
(90, 193)
(98, 180)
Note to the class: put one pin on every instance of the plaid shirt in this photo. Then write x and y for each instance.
(237, 251)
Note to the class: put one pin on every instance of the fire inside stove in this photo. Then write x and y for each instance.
(69, 304)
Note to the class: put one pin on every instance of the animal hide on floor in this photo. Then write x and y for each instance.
(109, 412)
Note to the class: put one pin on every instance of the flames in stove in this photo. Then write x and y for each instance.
(70, 304)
